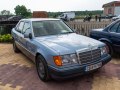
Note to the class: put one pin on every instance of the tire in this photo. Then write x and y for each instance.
(42, 69)
(16, 50)
(110, 49)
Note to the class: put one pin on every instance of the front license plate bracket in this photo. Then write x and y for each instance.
(93, 67)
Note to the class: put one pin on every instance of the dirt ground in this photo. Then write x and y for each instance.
(17, 72)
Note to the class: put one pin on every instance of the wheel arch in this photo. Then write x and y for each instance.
(109, 43)
(105, 40)
(37, 54)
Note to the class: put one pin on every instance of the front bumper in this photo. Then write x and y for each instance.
(76, 70)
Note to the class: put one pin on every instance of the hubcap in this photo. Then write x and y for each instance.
(41, 69)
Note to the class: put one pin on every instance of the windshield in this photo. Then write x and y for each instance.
(50, 27)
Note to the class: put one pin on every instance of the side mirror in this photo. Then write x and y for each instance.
(28, 35)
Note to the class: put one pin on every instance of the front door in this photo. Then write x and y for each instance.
(27, 42)
(115, 36)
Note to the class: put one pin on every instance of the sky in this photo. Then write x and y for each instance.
(54, 5)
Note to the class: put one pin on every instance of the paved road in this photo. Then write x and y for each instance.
(17, 72)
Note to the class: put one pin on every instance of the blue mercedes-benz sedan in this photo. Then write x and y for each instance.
(56, 49)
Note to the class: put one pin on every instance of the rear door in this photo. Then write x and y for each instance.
(18, 34)
(115, 36)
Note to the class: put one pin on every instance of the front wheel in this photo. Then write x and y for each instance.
(42, 68)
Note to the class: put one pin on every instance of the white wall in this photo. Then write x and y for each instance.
(117, 11)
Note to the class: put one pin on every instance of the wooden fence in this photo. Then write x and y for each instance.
(84, 28)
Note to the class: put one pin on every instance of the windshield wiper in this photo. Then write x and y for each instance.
(67, 32)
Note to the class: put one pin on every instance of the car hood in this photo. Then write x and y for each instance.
(68, 43)
(100, 29)
(115, 17)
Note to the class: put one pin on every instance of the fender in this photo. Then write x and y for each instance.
(45, 51)
(105, 39)
(41, 52)
(46, 56)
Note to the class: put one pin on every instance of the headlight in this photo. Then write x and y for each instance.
(69, 59)
(65, 59)
(103, 50)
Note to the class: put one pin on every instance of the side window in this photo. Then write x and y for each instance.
(118, 31)
(114, 27)
(26, 28)
(20, 27)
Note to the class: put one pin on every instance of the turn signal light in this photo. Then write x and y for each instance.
(57, 60)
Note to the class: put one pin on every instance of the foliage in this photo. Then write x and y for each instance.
(6, 38)
(79, 17)
(22, 11)
(54, 14)
(79, 14)
(5, 12)
(85, 13)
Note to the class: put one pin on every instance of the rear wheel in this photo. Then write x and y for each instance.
(16, 50)
(42, 68)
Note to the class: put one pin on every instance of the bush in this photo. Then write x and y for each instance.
(6, 38)
(79, 17)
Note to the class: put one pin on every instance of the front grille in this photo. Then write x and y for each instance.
(89, 56)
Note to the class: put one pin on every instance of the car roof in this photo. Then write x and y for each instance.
(39, 19)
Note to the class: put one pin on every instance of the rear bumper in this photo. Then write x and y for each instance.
(74, 71)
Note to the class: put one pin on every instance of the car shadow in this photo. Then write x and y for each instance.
(116, 55)
(78, 82)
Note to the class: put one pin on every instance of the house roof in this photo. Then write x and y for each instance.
(116, 3)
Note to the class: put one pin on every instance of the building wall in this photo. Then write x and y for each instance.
(108, 10)
(112, 8)
(117, 11)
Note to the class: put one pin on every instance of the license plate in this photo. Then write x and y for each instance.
(92, 67)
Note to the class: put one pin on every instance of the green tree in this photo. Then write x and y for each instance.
(5, 12)
(23, 11)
